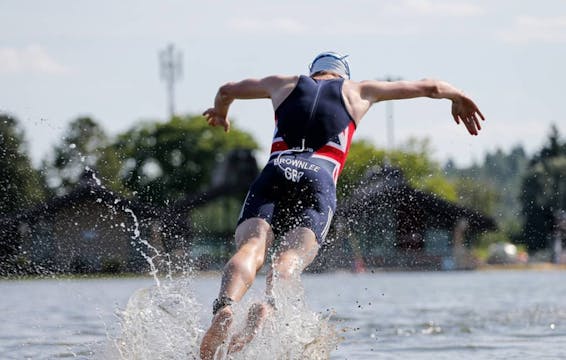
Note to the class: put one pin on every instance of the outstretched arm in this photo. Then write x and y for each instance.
(463, 108)
(268, 87)
(227, 93)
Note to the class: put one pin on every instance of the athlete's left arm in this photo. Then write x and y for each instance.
(463, 108)
(245, 89)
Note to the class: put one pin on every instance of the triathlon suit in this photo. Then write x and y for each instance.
(297, 187)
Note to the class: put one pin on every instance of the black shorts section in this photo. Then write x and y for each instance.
(293, 191)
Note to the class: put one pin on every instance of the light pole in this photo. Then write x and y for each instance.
(171, 71)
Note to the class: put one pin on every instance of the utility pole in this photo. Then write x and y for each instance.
(171, 70)
(389, 115)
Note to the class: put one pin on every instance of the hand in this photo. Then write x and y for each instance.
(215, 119)
(465, 110)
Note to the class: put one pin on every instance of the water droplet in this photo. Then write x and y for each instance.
(72, 146)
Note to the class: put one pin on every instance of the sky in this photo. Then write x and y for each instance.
(63, 59)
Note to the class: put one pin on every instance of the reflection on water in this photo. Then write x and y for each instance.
(469, 315)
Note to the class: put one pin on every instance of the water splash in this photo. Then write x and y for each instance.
(93, 175)
(160, 322)
(293, 331)
(163, 323)
(136, 238)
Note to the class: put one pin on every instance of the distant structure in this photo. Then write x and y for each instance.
(386, 223)
(89, 230)
(171, 71)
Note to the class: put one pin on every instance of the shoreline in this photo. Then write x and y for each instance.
(539, 266)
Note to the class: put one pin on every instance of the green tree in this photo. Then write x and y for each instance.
(164, 161)
(477, 195)
(544, 191)
(413, 158)
(85, 144)
(494, 185)
(20, 185)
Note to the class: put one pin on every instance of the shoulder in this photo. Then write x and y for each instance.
(359, 85)
(280, 80)
(281, 86)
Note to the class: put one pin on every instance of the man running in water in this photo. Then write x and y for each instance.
(294, 197)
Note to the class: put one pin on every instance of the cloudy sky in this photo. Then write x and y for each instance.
(66, 58)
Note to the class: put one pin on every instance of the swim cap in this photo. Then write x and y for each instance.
(331, 62)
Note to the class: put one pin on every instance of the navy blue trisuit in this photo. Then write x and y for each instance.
(297, 187)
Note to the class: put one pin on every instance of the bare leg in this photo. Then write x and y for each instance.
(297, 250)
(253, 238)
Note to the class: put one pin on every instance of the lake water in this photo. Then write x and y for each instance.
(382, 315)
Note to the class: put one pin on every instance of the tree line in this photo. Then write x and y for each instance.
(160, 162)
(524, 193)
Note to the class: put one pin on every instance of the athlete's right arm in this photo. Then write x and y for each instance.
(265, 88)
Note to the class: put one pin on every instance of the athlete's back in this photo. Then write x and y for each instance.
(312, 114)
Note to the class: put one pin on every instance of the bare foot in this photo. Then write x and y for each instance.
(257, 315)
(216, 334)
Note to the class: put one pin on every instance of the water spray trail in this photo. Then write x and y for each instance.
(137, 234)
(137, 237)
(94, 177)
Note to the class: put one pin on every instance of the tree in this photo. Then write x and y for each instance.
(165, 161)
(493, 186)
(20, 185)
(85, 144)
(477, 195)
(413, 159)
(544, 191)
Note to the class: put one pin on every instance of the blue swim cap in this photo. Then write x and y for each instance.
(331, 62)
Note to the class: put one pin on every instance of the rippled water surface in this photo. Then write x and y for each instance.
(382, 315)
